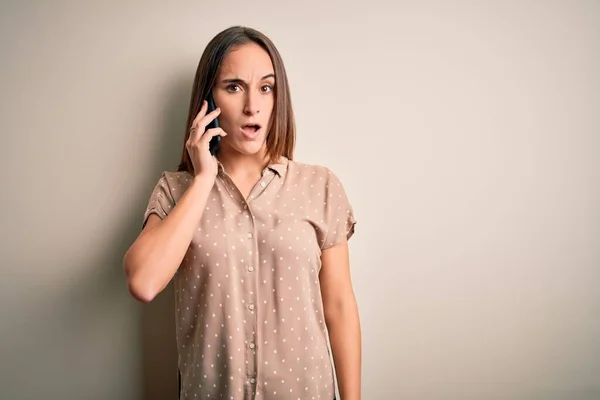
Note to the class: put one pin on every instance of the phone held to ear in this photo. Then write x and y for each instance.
(216, 140)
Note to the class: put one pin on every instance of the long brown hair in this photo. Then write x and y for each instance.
(282, 135)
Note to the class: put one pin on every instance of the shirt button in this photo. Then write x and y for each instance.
(252, 380)
(251, 307)
(252, 345)
(250, 269)
(263, 184)
(249, 235)
(245, 206)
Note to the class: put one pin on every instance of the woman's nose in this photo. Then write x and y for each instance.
(252, 105)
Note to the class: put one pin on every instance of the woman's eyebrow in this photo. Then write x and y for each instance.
(238, 80)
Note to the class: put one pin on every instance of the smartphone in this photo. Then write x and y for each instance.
(215, 141)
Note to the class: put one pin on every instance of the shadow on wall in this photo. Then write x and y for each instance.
(159, 351)
(87, 303)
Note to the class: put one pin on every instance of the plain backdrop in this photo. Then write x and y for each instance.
(466, 133)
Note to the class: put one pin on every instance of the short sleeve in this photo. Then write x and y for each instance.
(161, 200)
(339, 216)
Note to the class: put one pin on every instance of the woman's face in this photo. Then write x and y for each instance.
(244, 91)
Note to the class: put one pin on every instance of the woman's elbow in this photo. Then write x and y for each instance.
(140, 293)
(139, 288)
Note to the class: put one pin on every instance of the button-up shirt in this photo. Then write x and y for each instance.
(249, 312)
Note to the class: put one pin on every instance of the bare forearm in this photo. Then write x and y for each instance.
(345, 337)
(155, 256)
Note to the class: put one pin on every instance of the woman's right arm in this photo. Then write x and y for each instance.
(156, 254)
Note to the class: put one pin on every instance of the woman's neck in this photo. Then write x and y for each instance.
(237, 164)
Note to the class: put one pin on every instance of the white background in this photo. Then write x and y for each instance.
(466, 133)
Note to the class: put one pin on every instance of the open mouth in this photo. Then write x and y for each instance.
(250, 131)
(251, 127)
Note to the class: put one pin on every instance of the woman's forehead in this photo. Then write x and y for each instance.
(248, 61)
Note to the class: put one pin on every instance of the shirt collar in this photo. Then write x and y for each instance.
(279, 167)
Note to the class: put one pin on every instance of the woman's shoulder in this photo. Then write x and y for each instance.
(176, 176)
(175, 182)
(170, 176)
(303, 169)
(314, 174)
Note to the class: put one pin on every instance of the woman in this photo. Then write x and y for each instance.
(256, 243)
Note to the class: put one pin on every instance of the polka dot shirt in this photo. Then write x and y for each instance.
(249, 313)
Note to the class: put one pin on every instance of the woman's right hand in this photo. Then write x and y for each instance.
(198, 142)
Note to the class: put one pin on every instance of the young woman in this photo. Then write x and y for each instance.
(256, 243)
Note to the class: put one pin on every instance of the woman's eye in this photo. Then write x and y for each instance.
(267, 88)
(233, 87)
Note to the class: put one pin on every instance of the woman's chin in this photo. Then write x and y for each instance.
(248, 147)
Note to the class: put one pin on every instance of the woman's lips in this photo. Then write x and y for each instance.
(249, 132)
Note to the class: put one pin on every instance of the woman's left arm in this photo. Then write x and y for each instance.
(341, 317)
